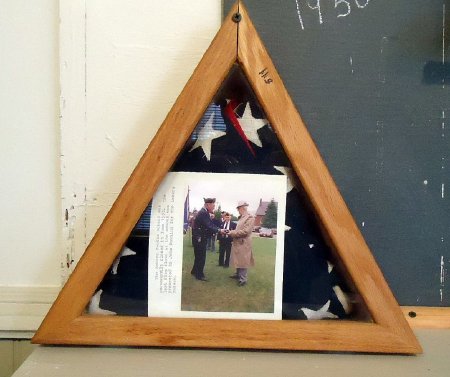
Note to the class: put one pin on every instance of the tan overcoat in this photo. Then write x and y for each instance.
(241, 249)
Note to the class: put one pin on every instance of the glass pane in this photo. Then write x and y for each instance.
(234, 138)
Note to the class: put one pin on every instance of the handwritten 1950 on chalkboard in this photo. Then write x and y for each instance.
(341, 8)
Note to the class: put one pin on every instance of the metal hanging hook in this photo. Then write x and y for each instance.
(237, 17)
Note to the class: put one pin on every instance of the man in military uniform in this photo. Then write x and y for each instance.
(203, 228)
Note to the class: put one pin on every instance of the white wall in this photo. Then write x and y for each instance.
(30, 235)
(29, 143)
(120, 66)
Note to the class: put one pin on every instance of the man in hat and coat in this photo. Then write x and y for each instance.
(241, 249)
(203, 229)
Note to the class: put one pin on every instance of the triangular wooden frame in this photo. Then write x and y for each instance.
(388, 333)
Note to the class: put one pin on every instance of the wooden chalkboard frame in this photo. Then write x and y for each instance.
(236, 41)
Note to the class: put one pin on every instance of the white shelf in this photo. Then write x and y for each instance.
(51, 361)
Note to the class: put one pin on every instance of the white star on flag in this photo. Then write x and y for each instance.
(126, 251)
(343, 299)
(330, 267)
(319, 314)
(205, 136)
(94, 305)
(288, 172)
(251, 125)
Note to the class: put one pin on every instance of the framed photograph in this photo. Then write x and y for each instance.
(173, 290)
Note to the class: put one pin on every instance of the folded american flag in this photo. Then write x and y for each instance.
(234, 137)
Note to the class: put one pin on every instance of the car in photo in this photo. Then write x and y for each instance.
(266, 232)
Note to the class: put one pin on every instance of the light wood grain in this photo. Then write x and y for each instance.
(207, 333)
(421, 317)
(388, 333)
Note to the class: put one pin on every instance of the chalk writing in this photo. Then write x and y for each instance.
(316, 7)
(345, 4)
(342, 8)
(362, 4)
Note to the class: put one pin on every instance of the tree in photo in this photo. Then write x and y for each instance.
(270, 218)
(218, 213)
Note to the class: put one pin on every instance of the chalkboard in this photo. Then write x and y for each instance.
(370, 79)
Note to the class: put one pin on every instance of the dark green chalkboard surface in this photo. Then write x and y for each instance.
(371, 81)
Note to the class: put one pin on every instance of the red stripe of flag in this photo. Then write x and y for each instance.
(229, 112)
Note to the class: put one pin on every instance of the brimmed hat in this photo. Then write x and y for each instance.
(209, 200)
(242, 203)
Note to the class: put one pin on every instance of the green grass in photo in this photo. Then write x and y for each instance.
(222, 294)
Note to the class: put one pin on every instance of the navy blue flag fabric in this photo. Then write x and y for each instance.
(234, 137)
